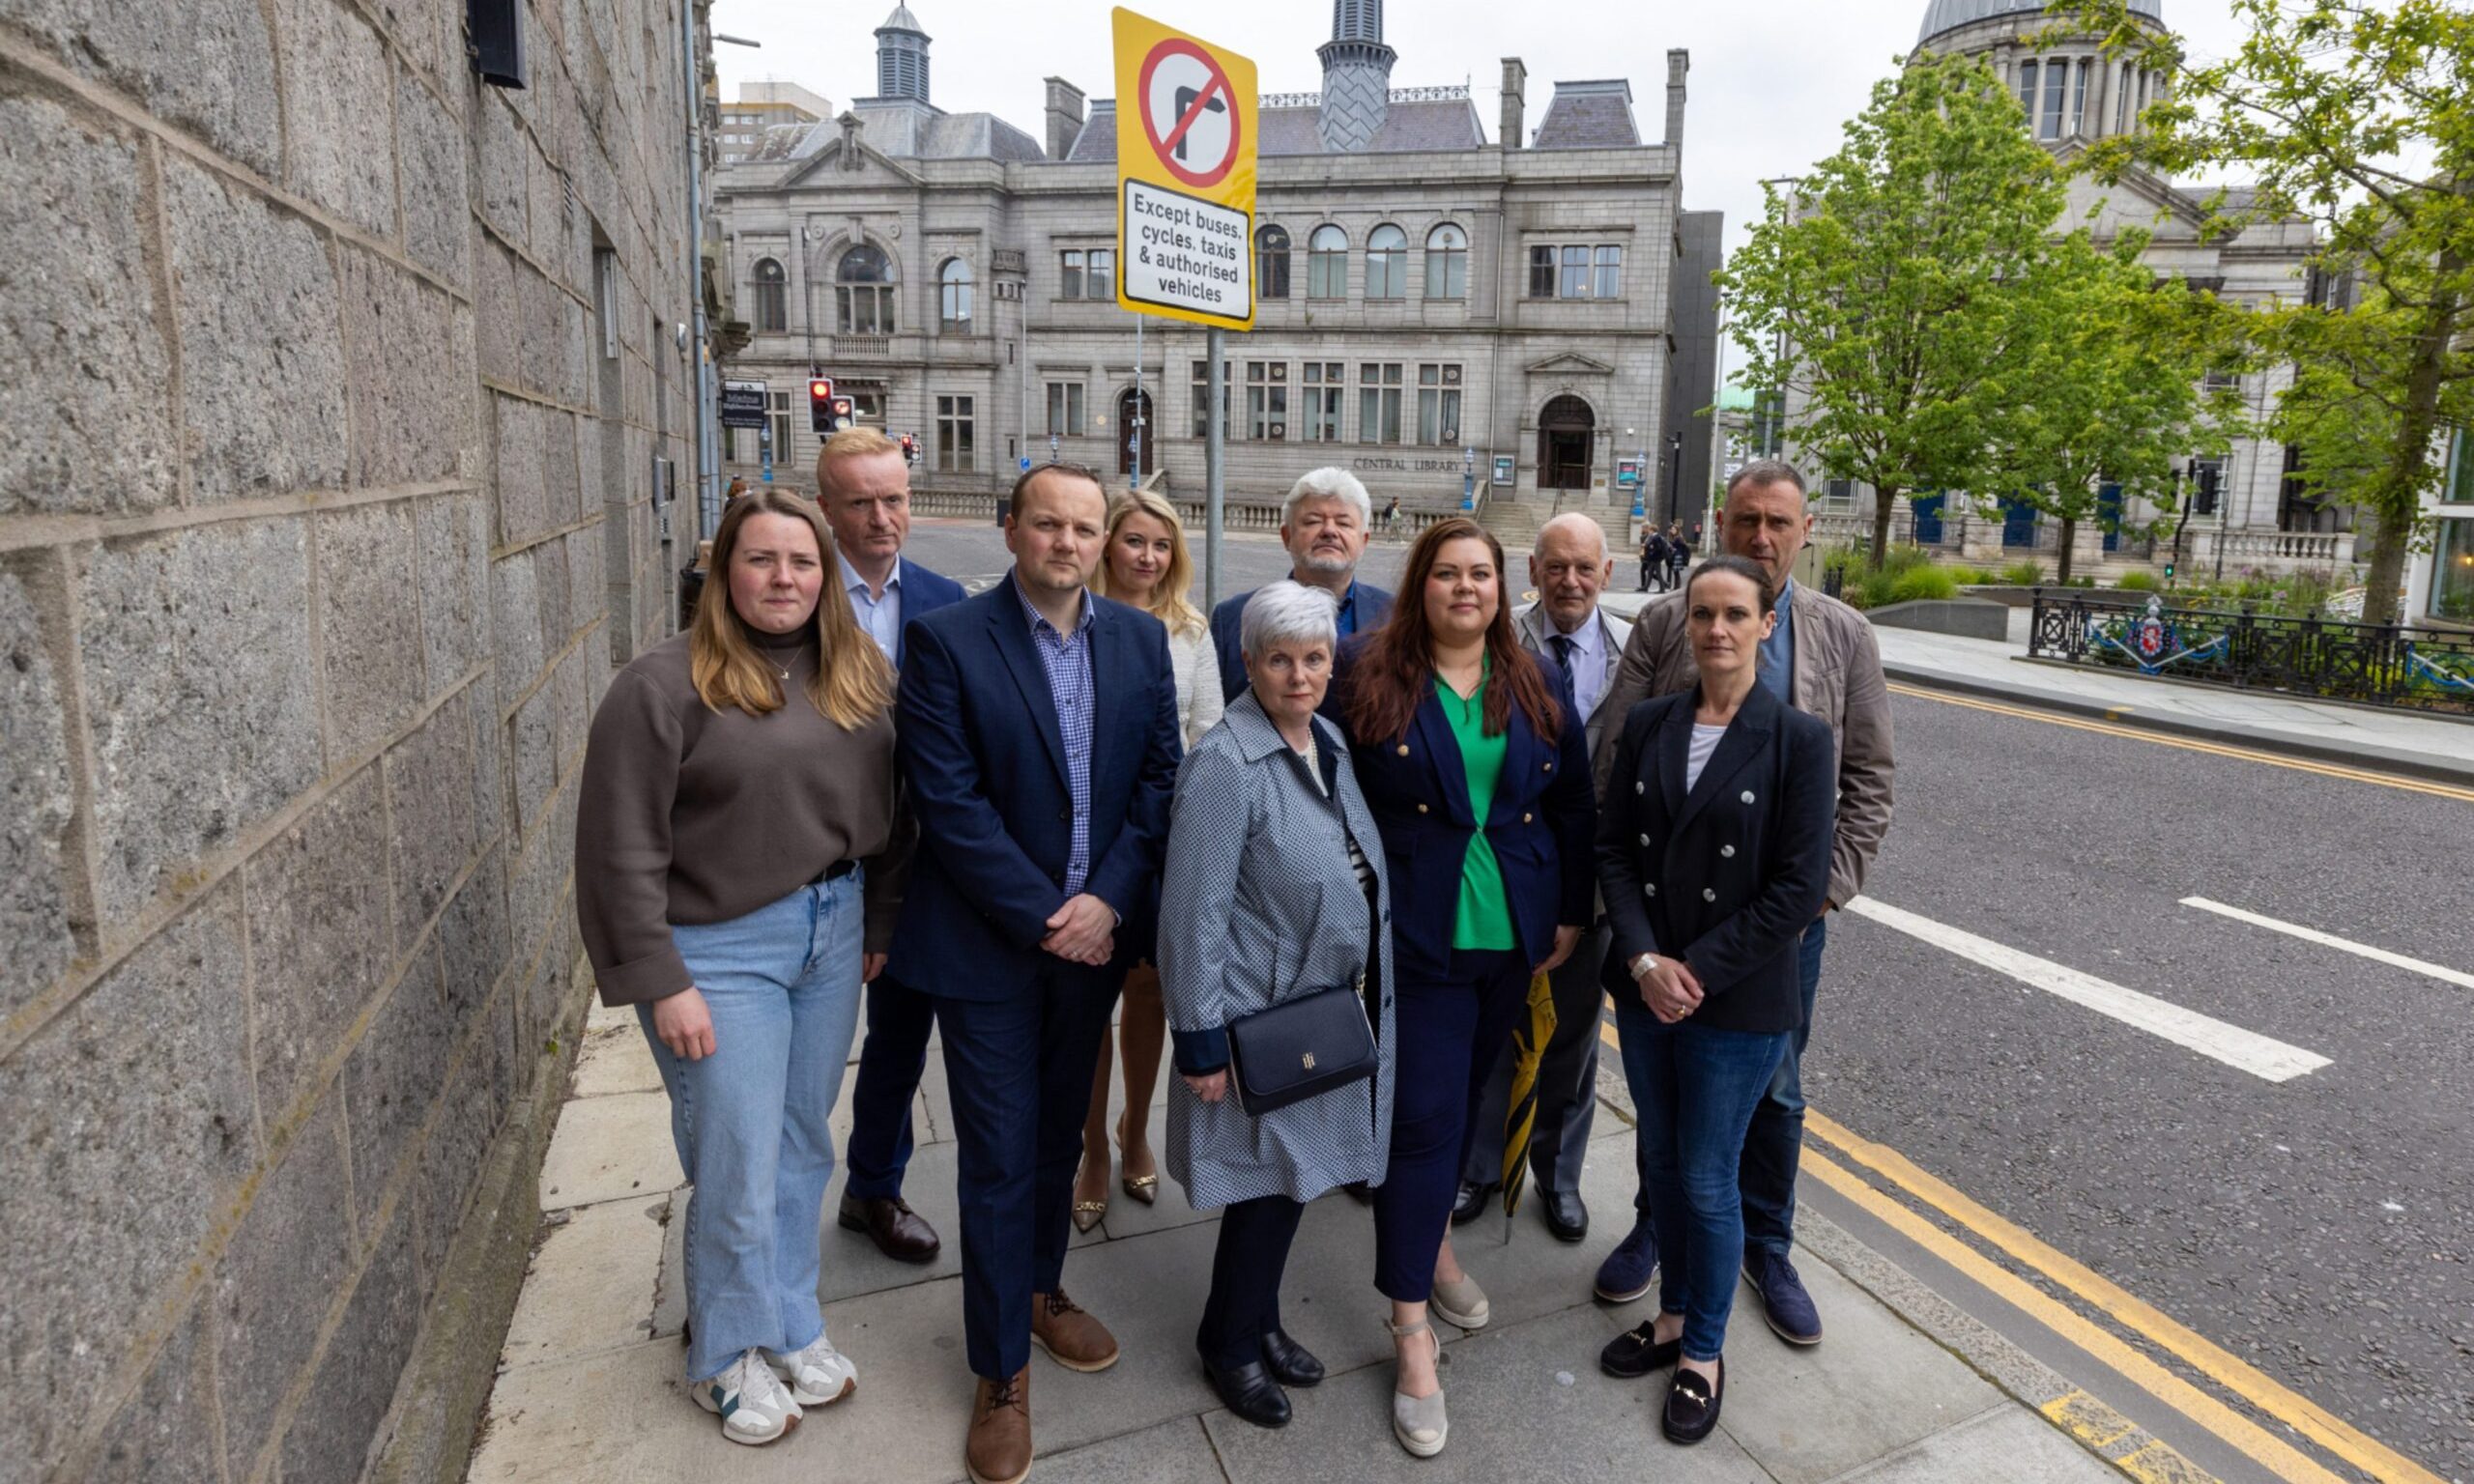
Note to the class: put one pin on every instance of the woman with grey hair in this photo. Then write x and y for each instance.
(1273, 891)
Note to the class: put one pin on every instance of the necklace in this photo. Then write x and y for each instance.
(784, 670)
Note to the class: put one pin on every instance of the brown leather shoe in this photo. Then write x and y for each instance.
(998, 1449)
(1070, 1335)
(899, 1233)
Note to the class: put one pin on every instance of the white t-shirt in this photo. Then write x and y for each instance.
(1704, 741)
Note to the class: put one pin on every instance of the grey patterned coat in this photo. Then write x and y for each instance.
(1260, 904)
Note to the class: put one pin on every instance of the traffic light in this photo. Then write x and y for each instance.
(820, 405)
(2168, 569)
(910, 449)
(842, 412)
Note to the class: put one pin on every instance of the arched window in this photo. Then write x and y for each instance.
(1326, 262)
(863, 292)
(953, 296)
(772, 314)
(1386, 263)
(1446, 263)
(1271, 263)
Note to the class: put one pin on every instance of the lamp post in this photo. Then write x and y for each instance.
(1674, 473)
(1469, 479)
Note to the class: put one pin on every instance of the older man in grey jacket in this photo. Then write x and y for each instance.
(1821, 659)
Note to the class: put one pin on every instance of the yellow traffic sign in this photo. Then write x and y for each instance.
(1185, 135)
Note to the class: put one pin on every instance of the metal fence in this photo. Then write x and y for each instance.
(2374, 664)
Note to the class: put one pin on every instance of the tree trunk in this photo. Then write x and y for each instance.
(1883, 498)
(2069, 539)
(2396, 537)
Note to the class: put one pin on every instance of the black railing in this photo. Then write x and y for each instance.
(2377, 664)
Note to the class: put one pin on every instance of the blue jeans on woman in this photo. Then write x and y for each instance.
(1694, 1089)
(753, 1122)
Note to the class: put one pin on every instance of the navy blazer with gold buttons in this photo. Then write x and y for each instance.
(1541, 826)
(1727, 874)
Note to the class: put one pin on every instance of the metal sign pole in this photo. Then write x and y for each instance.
(1215, 470)
(1133, 434)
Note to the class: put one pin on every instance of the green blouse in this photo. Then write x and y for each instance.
(1484, 919)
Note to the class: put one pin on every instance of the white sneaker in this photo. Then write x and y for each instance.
(751, 1402)
(818, 1375)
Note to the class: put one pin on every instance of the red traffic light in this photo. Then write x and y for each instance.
(819, 388)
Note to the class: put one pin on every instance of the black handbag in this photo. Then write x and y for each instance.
(1300, 1048)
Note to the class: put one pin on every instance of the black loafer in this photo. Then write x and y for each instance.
(1636, 1352)
(1249, 1392)
(1291, 1364)
(1567, 1218)
(1692, 1405)
(1467, 1206)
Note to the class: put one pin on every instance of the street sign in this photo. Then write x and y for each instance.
(742, 404)
(1186, 145)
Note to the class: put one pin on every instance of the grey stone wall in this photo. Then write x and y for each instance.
(324, 518)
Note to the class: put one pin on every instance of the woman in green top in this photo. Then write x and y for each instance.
(1473, 759)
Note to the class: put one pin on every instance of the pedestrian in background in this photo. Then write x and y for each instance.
(1392, 516)
(1324, 523)
(1713, 856)
(1144, 564)
(1653, 559)
(1476, 776)
(863, 486)
(1678, 554)
(736, 830)
(1273, 891)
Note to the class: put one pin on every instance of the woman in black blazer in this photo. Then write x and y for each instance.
(1713, 855)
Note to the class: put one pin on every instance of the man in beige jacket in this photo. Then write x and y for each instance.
(1821, 659)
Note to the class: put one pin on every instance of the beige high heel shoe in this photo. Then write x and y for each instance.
(1142, 1187)
(1419, 1421)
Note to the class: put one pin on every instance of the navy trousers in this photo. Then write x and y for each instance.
(1245, 1268)
(891, 1058)
(1021, 1075)
(1448, 1034)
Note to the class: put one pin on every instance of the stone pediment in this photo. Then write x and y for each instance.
(849, 161)
(1570, 363)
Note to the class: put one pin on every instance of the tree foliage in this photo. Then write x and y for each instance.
(1878, 285)
(2357, 115)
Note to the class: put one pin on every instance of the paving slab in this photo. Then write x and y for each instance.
(1178, 1452)
(610, 1149)
(2007, 1443)
(614, 1059)
(590, 1284)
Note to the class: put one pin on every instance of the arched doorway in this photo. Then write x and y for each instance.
(1130, 422)
(1567, 434)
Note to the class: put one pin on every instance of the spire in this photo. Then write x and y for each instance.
(901, 56)
(1357, 77)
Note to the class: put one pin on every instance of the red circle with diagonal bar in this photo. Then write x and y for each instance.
(1164, 146)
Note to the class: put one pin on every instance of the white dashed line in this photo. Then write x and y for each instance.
(2331, 940)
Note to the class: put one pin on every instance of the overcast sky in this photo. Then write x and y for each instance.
(1772, 84)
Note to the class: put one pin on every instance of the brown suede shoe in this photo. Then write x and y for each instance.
(998, 1450)
(1072, 1337)
(899, 1233)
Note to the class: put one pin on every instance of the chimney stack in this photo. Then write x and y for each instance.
(1678, 63)
(1516, 117)
(1064, 116)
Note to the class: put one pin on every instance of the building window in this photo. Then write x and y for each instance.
(1267, 400)
(1439, 405)
(1087, 272)
(863, 292)
(1542, 272)
(1323, 388)
(1326, 262)
(2458, 490)
(1610, 272)
(1202, 399)
(953, 296)
(867, 407)
(772, 315)
(1065, 409)
(1574, 283)
(1386, 263)
(2452, 571)
(957, 450)
(1446, 263)
(1271, 263)
(1069, 273)
(2079, 96)
(2027, 92)
(777, 413)
(2057, 81)
(1378, 402)
(2208, 481)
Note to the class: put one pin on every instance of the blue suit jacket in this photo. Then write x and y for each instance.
(923, 592)
(1542, 825)
(1369, 606)
(985, 762)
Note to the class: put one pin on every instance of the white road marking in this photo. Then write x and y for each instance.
(2331, 940)
(2261, 1056)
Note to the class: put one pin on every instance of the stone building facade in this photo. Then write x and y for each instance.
(1433, 303)
(336, 381)
(2244, 508)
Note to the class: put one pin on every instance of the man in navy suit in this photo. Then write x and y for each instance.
(1324, 523)
(863, 482)
(1039, 741)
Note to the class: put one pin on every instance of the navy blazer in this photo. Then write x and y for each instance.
(1370, 606)
(985, 762)
(1541, 824)
(924, 591)
(1728, 875)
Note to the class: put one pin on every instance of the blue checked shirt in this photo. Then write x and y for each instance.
(1067, 659)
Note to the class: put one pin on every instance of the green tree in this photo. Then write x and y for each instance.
(2359, 116)
(1875, 286)
(2104, 386)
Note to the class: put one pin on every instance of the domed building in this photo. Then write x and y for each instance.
(2245, 510)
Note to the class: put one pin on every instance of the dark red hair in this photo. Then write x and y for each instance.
(1395, 672)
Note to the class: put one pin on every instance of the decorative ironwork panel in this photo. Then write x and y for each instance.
(2373, 664)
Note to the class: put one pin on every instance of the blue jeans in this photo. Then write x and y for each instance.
(1694, 1089)
(753, 1122)
(1775, 1142)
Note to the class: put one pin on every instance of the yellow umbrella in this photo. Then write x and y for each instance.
(1520, 1119)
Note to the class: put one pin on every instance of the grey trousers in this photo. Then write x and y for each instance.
(1567, 1081)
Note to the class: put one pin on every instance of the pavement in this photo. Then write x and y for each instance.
(590, 1382)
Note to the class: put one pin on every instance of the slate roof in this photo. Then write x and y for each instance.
(1949, 15)
(1589, 116)
(1444, 124)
